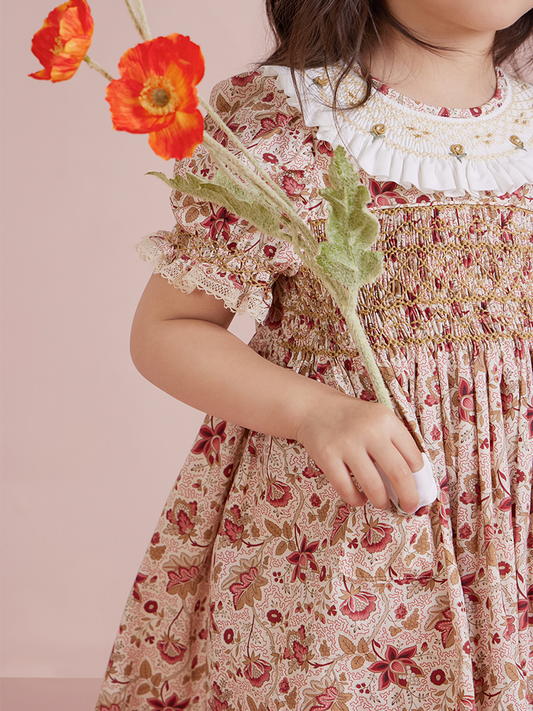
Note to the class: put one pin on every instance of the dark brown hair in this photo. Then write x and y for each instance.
(320, 33)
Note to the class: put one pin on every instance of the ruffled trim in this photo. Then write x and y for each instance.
(419, 149)
(187, 275)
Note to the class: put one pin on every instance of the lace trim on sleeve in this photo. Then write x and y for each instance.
(188, 274)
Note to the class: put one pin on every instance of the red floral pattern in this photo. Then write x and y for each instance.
(271, 592)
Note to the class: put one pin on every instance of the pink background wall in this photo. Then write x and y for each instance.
(90, 449)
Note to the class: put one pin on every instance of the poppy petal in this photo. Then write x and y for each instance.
(84, 14)
(71, 27)
(42, 44)
(179, 140)
(62, 42)
(67, 63)
(126, 111)
(189, 52)
(146, 59)
(180, 78)
(43, 74)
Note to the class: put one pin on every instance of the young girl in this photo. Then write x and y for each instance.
(280, 577)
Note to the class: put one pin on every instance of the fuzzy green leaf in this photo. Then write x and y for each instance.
(351, 229)
(222, 191)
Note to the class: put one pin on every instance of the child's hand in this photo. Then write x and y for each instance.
(345, 436)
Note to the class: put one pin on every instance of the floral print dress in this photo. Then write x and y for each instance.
(261, 590)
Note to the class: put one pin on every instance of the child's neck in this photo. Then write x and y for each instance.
(453, 79)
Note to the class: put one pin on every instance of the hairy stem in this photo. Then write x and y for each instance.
(364, 348)
(139, 19)
(229, 133)
(278, 198)
(97, 68)
(143, 19)
(134, 17)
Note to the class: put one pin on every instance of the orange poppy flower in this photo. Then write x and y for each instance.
(156, 94)
(63, 40)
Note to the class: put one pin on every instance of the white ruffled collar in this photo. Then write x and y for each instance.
(391, 140)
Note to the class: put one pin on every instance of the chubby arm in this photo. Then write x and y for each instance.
(181, 344)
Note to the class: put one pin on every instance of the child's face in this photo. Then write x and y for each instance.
(455, 17)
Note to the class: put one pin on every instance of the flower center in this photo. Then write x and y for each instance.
(159, 97)
(58, 47)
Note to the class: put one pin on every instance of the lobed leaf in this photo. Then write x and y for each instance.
(351, 229)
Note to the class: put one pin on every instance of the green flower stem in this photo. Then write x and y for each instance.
(140, 22)
(347, 304)
(97, 68)
(134, 18)
(364, 348)
(264, 192)
(261, 171)
(143, 19)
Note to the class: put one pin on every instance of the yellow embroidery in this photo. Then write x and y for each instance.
(516, 141)
(452, 274)
(379, 129)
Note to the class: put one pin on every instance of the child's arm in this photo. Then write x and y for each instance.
(181, 344)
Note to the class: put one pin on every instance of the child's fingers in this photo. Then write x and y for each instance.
(340, 478)
(369, 480)
(400, 475)
(408, 448)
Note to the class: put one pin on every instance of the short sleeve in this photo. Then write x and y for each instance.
(214, 250)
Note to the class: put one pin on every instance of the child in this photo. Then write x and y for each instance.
(280, 577)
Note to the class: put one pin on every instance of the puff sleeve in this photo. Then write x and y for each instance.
(214, 250)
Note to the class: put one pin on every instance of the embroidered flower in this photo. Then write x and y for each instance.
(256, 670)
(172, 703)
(274, 617)
(438, 677)
(210, 440)
(244, 79)
(395, 667)
(277, 493)
(170, 649)
(303, 559)
(219, 223)
(377, 536)
(358, 605)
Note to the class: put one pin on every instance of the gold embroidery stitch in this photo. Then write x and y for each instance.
(318, 228)
(515, 140)
(379, 129)
(452, 274)
(458, 151)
